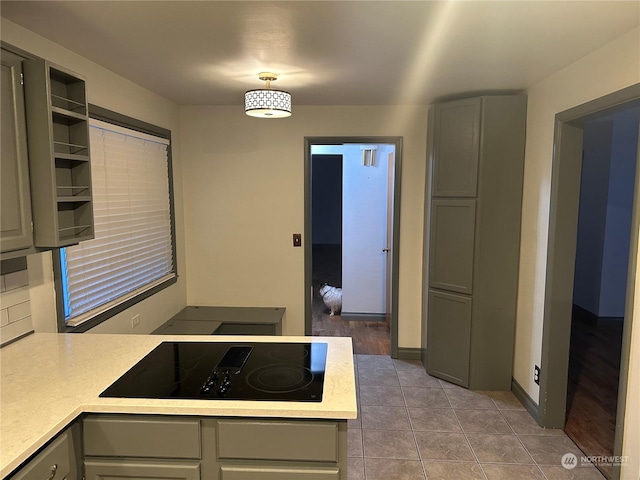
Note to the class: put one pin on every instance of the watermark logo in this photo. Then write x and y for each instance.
(569, 461)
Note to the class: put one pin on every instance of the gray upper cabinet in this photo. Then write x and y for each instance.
(456, 149)
(476, 150)
(15, 219)
(59, 160)
(189, 448)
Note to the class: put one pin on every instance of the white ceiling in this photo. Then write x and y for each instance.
(329, 52)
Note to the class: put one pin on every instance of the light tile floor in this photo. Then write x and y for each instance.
(412, 426)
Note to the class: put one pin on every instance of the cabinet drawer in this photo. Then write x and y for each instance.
(57, 459)
(277, 473)
(141, 437)
(119, 470)
(307, 441)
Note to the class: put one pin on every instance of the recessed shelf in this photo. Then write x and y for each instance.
(70, 148)
(68, 104)
(58, 134)
(73, 190)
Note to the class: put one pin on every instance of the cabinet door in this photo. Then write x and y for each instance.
(451, 246)
(456, 148)
(56, 462)
(449, 337)
(245, 472)
(15, 204)
(131, 470)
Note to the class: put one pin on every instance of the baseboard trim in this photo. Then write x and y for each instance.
(405, 353)
(583, 315)
(363, 317)
(525, 400)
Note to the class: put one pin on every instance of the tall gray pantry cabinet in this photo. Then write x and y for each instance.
(472, 239)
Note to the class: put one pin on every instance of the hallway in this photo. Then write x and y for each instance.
(592, 387)
(370, 338)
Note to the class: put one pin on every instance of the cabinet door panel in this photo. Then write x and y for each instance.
(452, 245)
(141, 436)
(449, 337)
(278, 473)
(456, 148)
(15, 220)
(306, 441)
(119, 470)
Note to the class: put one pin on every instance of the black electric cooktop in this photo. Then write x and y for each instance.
(227, 371)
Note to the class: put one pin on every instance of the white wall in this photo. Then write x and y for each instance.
(611, 68)
(108, 90)
(245, 199)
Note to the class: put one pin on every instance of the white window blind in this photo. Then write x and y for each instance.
(132, 251)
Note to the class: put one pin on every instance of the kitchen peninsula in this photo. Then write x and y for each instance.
(50, 381)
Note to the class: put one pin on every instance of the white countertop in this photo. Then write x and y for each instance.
(48, 379)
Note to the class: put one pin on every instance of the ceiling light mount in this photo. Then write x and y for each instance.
(265, 102)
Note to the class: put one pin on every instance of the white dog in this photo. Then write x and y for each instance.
(332, 298)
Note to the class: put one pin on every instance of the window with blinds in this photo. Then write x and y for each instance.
(132, 251)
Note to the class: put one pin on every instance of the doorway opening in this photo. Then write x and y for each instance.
(557, 399)
(610, 149)
(351, 233)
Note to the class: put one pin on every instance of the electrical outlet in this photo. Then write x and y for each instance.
(536, 374)
(135, 321)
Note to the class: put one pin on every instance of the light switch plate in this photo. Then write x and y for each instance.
(297, 239)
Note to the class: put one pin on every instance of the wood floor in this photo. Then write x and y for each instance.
(592, 389)
(369, 338)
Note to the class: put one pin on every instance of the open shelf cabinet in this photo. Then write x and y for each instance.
(59, 157)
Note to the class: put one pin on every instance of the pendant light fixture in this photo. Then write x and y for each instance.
(267, 103)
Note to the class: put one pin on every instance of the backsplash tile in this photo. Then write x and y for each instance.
(15, 304)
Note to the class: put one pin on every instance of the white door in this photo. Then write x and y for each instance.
(364, 228)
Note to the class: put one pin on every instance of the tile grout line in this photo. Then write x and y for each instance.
(519, 440)
(465, 437)
(413, 432)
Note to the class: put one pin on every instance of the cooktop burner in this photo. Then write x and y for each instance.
(227, 371)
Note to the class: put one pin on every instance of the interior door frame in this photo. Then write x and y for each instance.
(563, 223)
(395, 230)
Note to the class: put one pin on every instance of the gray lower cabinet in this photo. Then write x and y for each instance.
(212, 448)
(15, 219)
(472, 235)
(57, 461)
(207, 320)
